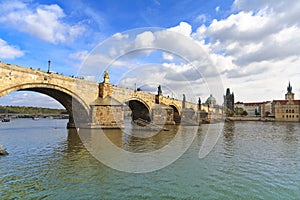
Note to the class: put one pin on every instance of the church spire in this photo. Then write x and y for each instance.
(289, 95)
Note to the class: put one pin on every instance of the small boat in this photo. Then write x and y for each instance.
(35, 117)
(3, 152)
(6, 118)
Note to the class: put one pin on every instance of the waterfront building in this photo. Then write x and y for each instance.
(253, 108)
(266, 109)
(239, 105)
(288, 109)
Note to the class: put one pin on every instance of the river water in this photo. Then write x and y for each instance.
(251, 160)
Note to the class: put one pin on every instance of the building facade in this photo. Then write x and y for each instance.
(253, 109)
(288, 109)
(266, 109)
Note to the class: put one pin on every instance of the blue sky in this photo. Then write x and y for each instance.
(253, 44)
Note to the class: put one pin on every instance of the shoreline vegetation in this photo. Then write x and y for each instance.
(29, 111)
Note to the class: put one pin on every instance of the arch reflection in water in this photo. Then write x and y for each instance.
(138, 155)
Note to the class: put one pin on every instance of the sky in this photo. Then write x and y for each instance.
(251, 47)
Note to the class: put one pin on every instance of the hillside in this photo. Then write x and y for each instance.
(31, 110)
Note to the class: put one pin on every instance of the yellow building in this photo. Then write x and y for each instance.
(288, 109)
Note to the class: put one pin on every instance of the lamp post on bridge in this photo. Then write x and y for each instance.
(49, 62)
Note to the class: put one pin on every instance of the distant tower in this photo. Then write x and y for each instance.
(106, 77)
(229, 100)
(289, 95)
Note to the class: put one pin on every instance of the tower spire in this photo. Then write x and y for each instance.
(289, 88)
(289, 95)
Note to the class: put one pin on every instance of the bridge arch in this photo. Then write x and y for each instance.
(140, 109)
(77, 109)
(176, 114)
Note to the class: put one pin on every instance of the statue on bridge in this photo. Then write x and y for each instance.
(159, 91)
(199, 104)
(106, 77)
(183, 101)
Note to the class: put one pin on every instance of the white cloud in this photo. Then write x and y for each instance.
(201, 18)
(167, 56)
(43, 21)
(144, 40)
(183, 28)
(120, 36)
(255, 36)
(9, 52)
(81, 55)
(217, 9)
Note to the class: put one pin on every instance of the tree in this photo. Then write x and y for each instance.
(244, 113)
(229, 112)
(240, 111)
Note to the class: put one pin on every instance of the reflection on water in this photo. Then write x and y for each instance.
(134, 143)
(251, 160)
(129, 153)
(228, 133)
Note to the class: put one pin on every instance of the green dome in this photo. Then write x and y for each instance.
(211, 99)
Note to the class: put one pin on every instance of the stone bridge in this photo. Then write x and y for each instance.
(100, 105)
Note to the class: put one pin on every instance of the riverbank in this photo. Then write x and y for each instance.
(51, 116)
(246, 118)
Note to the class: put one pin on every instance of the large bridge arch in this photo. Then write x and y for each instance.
(140, 109)
(176, 114)
(76, 107)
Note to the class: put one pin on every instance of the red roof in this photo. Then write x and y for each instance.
(253, 104)
(284, 102)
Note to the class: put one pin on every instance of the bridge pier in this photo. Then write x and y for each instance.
(71, 125)
(162, 115)
(188, 117)
(202, 117)
(107, 113)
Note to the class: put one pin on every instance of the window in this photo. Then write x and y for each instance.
(287, 116)
(282, 116)
(287, 111)
(293, 111)
(293, 116)
(297, 116)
